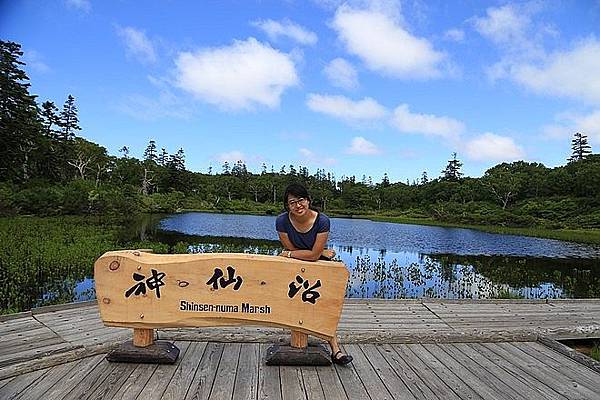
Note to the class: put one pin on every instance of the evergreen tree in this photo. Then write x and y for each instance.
(69, 119)
(225, 168)
(50, 119)
(452, 171)
(20, 128)
(424, 178)
(163, 158)
(581, 148)
(125, 151)
(385, 182)
(150, 152)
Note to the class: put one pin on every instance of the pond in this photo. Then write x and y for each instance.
(389, 260)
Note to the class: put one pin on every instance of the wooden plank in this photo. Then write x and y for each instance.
(158, 382)
(135, 382)
(118, 375)
(418, 388)
(91, 381)
(331, 383)
(202, 383)
(292, 385)
(507, 364)
(369, 377)
(19, 325)
(184, 374)
(39, 388)
(246, 378)
(392, 381)
(30, 354)
(518, 389)
(543, 374)
(224, 381)
(16, 350)
(269, 380)
(81, 369)
(351, 380)
(578, 374)
(312, 385)
(451, 380)
(483, 381)
(15, 386)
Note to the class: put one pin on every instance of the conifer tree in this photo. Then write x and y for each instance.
(452, 171)
(150, 152)
(581, 148)
(69, 119)
(385, 182)
(19, 122)
(50, 119)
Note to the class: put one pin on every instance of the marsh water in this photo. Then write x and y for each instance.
(389, 260)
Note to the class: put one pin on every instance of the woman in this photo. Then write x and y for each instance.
(303, 233)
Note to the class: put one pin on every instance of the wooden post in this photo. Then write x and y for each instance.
(299, 340)
(143, 337)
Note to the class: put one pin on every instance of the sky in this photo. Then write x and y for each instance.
(352, 87)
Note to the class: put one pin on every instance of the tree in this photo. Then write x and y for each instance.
(50, 119)
(163, 158)
(424, 178)
(385, 182)
(125, 151)
(452, 171)
(86, 153)
(581, 148)
(150, 152)
(20, 125)
(505, 182)
(69, 119)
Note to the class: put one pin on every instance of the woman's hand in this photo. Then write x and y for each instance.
(328, 253)
(286, 253)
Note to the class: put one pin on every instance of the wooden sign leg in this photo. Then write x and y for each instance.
(143, 337)
(299, 352)
(143, 349)
(299, 340)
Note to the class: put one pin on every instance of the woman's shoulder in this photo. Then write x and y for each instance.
(282, 222)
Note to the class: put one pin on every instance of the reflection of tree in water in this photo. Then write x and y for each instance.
(578, 278)
(454, 276)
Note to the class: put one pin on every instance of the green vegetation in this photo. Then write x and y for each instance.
(43, 258)
(48, 170)
(595, 353)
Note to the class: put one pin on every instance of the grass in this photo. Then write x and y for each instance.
(595, 353)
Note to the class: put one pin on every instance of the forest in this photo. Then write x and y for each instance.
(48, 168)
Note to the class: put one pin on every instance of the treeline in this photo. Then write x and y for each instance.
(48, 169)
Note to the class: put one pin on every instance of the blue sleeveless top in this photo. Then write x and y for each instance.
(302, 241)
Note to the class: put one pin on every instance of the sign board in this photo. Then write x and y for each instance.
(145, 290)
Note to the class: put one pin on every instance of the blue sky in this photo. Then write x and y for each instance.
(358, 87)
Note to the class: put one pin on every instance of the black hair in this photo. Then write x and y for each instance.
(297, 190)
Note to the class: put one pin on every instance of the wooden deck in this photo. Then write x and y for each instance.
(402, 349)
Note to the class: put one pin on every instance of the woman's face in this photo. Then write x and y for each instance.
(298, 206)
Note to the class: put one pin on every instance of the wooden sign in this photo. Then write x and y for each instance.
(144, 290)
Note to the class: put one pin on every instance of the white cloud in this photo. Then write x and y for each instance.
(504, 25)
(346, 109)
(362, 146)
(82, 5)
(384, 45)
(137, 43)
(231, 157)
(572, 73)
(239, 76)
(455, 35)
(286, 28)
(407, 122)
(491, 147)
(341, 74)
(570, 123)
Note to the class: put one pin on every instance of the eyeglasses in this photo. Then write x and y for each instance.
(294, 203)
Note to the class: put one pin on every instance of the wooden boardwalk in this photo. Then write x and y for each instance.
(422, 349)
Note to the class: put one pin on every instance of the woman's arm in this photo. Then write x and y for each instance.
(307, 255)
